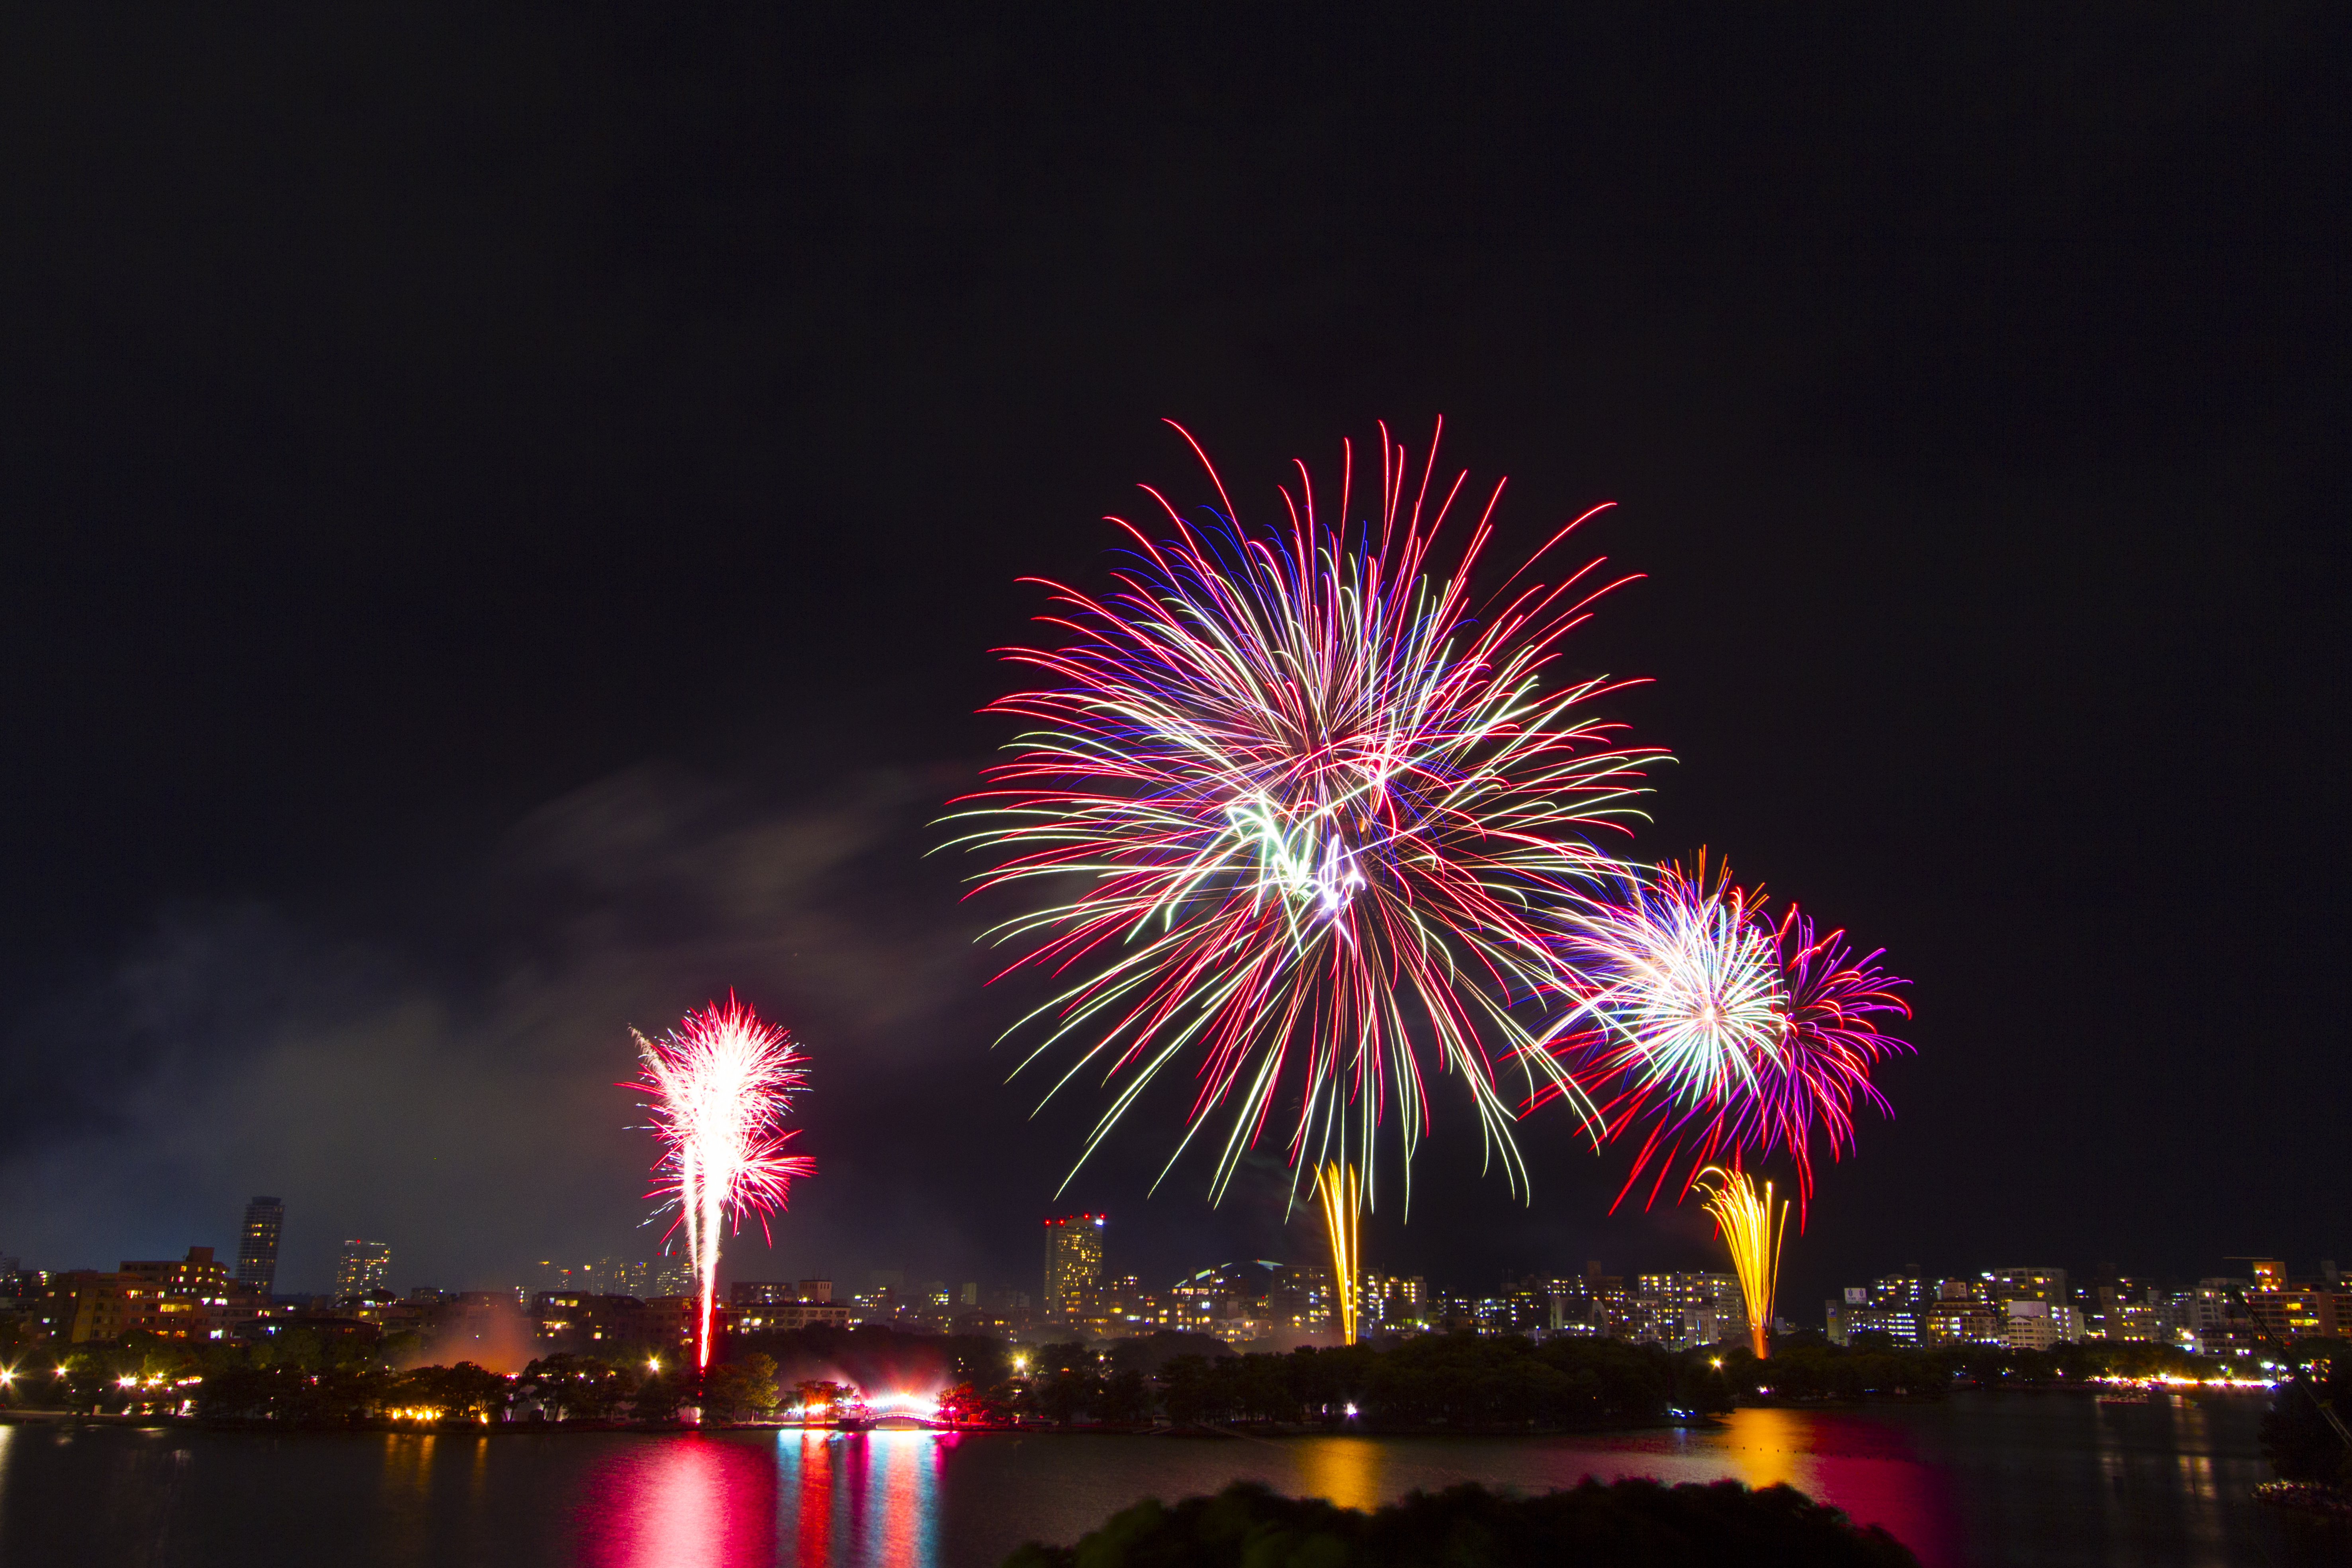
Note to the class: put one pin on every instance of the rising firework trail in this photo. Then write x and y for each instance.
(1754, 1232)
(1335, 1188)
(1308, 813)
(1708, 1030)
(718, 1087)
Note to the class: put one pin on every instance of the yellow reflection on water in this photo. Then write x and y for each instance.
(1768, 1445)
(1347, 1470)
(407, 1465)
(407, 1488)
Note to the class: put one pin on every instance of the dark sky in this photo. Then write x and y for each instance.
(503, 511)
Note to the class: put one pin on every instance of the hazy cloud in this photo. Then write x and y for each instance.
(457, 1098)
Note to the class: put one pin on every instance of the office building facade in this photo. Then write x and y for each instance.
(257, 1246)
(1074, 1261)
(364, 1269)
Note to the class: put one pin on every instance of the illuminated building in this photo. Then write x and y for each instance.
(1961, 1313)
(390, 1316)
(1599, 1306)
(21, 1289)
(256, 1245)
(762, 1292)
(1229, 1301)
(2036, 1310)
(1568, 1305)
(2133, 1313)
(671, 1319)
(1390, 1302)
(1684, 1310)
(183, 1298)
(1893, 1306)
(1515, 1312)
(776, 1306)
(2214, 1304)
(2285, 1311)
(85, 1304)
(589, 1324)
(2295, 1312)
(1302, 1299)
(1074, 1259)
(783, 1316)
(2026, 1284)
(615, 1276)
(2032, 1325)
(364, 1269)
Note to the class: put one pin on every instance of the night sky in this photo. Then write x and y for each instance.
(504, 512)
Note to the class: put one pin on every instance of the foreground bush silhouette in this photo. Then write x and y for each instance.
(1627, 1524)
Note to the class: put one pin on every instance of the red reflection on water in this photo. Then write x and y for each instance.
(688, 1501)
(813, 1540)
(1870, 1469)
(1867, 1467)
(863, 1500)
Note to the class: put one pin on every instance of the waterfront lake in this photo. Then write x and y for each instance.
(2011, 1479)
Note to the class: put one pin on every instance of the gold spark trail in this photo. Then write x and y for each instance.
(1754, 1232)
(1336, 1185)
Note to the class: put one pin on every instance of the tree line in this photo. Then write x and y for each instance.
(1456, 1382)
(1622, 1525)
(303, 1377)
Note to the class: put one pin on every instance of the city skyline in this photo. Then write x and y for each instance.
(2241, 1318)
(1078, 1262)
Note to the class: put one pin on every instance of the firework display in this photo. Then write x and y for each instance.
(718, 1087)
(1708, 1030)
(1309, 817)
(1312, 815)
(1754, 1232)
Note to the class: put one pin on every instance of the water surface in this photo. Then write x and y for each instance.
(2004, 1479)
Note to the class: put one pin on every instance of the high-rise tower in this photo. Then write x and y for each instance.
(1073, 1257)
(365, 1269)
(257, 1249)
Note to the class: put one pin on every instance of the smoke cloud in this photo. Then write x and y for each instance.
(454, 1096)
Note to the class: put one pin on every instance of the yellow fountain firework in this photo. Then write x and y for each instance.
(1336, 1185)
(1754, 1232)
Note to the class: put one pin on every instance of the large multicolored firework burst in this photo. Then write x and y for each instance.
(1710, 1030)
(1310, 815)
(718, 1087)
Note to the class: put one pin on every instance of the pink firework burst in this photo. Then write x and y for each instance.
(718, 1087)
(1708, 1030)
